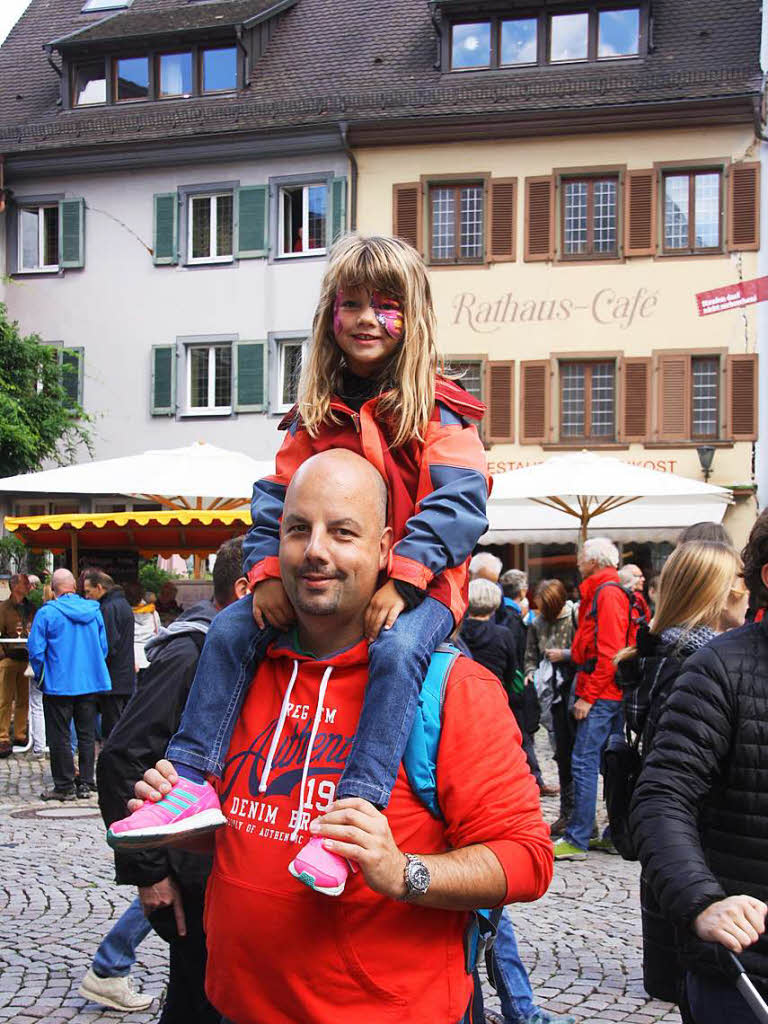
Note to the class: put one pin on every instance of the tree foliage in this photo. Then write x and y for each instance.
(37, 420)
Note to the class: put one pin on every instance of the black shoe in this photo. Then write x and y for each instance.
(83, 790)
(557, 828)
(5, 749)
(58, 794)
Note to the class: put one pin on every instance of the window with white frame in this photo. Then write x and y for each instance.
(210, 228)
(209, 378)
(303, 219)
(457, 214)
(38, 238)
(290, 354)
(471, 375)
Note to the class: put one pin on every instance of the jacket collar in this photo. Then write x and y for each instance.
(287, 646)
(591, 583)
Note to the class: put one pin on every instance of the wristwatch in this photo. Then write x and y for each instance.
(417, 877)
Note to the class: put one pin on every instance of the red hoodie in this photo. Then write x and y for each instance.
(614, 633)
(279, 953)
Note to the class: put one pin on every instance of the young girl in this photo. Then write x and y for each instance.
(370, 385)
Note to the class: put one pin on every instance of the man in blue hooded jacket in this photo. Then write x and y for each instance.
(67, 650)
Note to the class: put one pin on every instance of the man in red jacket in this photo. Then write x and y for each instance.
(605, 627)
(390, 947)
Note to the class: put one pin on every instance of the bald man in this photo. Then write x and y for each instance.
(392, 946)
(67, 651)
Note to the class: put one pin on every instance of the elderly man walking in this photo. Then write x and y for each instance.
(15, 619)
(67, 650)
(605, 627)
(391, 946)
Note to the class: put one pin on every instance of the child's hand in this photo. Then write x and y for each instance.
(383, 610)
(271, 606)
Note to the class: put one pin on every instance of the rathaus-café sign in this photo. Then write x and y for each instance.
(607, 307)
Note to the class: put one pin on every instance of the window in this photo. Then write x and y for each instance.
(589, 34)
(692, 211)
(90, 84)
(290, 353)
(705, 405)
(38, 238)
(589, 217)
(457, 215)
(71, 365)
(209, 378)
(471, 375)
(131, 79)
(587, 401)
(175, 74)
(104, 5)
(210, 228)
(303, 219)
(219, 70)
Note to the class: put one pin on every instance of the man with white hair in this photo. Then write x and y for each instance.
(485, 566)
(67, 650)
(605, 627)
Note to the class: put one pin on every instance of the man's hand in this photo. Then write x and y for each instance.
(155, 785)
(383, 610)
(581, 709)
(164, 893)
(353, 828)
(271, 605)
(735, 922)
(554, 654)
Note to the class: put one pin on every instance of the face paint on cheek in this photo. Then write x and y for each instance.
(389, 314)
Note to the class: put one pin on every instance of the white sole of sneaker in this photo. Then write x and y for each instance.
(308, 880)
(96, 997)
(206, 821)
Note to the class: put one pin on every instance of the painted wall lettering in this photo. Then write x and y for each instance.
(607, 308)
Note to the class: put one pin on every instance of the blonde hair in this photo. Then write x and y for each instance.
(391, 266)
(694, 587)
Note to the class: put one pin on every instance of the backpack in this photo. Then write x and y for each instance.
(635, 619)
(420, 763)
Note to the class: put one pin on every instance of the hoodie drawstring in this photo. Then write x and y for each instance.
(307, 759)
(278, 729)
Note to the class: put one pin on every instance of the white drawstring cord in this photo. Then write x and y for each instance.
(305, 772)
(278, 729)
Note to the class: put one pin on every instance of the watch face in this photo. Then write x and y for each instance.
(418, 876)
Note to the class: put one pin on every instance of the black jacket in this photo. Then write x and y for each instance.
(513, 620)
(494, 647)
(700, 811)
(140, 739)
(119, 626)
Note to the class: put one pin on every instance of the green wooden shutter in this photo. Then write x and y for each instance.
(252, 212)
(165, 228)
(71, 361)
(338, 208)
(163, 394)
(72, 233)
(250, 384)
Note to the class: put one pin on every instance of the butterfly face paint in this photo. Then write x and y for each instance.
(389, 313)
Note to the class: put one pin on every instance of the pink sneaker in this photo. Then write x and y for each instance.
(320, 869)
(191, 808)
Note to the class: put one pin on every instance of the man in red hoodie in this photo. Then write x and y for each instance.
(604, 629)
(391, 947)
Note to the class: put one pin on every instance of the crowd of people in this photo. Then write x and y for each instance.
(324, 782)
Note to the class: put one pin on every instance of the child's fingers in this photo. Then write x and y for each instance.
(258, 616)
(391, 618)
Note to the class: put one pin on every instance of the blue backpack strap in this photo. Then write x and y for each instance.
(420, 758)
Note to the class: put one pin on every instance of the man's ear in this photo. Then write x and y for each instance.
(241, 587)
(385, 546)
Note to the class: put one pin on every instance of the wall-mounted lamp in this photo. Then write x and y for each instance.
(706, 454)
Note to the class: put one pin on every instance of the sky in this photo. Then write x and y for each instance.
(10, 12)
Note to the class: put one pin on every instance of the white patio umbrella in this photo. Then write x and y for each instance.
(576, 491)
(172, 477)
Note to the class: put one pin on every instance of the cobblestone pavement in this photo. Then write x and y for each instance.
(581, 942)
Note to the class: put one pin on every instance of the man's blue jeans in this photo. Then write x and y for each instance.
(398, 662)
(605, 718)
(117, 953)
(512, 983)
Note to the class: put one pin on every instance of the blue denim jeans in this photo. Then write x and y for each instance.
(605, 718)
(398, 658)
(512, 983)
(714, 1000)
(117, 953)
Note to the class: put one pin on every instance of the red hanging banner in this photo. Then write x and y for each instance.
(733, 296)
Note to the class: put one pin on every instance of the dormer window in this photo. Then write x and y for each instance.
(174, 74)
(105, 5)
(592, 33)
(90, 83)
(131, 79)
(219, 70)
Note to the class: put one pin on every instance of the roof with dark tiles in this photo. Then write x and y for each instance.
(328, 61)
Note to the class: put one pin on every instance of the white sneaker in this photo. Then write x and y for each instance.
(117, 993)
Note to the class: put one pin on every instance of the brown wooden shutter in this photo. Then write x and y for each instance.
(673, 405)
(636, 399)
(503, 207)
(407, 213)
(744, 207)
(534, 401)
(500, 394)
(742, 397)
(539, 218)
(640, 213)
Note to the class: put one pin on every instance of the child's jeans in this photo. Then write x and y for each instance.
(398, 662)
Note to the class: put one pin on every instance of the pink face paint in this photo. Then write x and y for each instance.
(389, 313)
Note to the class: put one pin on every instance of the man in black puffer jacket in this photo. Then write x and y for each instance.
(700, 811)
(119, 627)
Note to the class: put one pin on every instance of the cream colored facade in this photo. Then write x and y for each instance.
(629, 307)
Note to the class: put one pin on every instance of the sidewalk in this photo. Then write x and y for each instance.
(581, 942)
